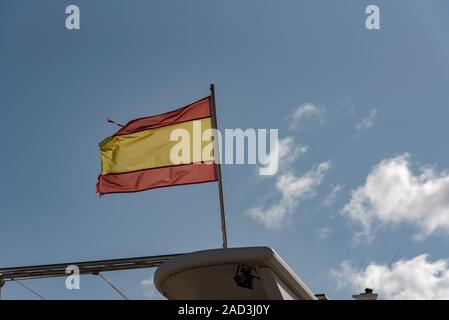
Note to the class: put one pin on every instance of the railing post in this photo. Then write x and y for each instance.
(2, 283)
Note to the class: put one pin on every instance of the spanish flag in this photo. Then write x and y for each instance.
(138, 156)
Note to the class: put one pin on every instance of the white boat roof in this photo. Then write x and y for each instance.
(185, 276)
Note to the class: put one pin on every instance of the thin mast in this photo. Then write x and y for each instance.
(218, 168)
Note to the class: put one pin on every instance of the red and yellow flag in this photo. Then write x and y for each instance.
(137, 157)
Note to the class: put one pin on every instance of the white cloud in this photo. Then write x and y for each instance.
(330, 198)
(417, 278)
(285, 152)
(288, 151)
(149, 290)
(304, 111)
(393, 194)
(368, 121)
(292, 189)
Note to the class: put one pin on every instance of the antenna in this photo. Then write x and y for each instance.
(356, 277)
(387, 267)
(369, 293)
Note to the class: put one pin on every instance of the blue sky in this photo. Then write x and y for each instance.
(379, 94)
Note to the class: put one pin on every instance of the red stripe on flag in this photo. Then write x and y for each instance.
(194, 111)
(156, 178)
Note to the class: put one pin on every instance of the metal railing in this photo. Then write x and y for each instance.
(85, 267)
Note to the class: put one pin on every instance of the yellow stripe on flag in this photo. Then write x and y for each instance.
(150, 148)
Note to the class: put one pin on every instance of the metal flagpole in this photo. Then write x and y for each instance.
(218, 168)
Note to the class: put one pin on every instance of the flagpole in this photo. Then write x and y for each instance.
(218, 167)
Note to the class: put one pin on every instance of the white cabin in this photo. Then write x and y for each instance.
(252, 273)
